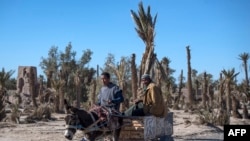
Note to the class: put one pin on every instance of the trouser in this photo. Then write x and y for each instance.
(135, 110)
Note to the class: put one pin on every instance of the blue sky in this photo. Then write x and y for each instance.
(217, 31)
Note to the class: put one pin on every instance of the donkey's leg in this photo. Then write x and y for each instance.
(116, 134)
(84, 139)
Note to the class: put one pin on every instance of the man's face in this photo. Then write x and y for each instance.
(104, 80)
(145, 81)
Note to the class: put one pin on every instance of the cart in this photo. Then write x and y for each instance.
(147, 128)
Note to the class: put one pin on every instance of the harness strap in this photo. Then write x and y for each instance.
(92, 117)
(75, 126)
(94, 121)
(89, 128)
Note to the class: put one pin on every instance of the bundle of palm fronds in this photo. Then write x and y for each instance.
(43, 112)
(15, 113)
(213, 116)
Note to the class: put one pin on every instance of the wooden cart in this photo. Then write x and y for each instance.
(147, 128)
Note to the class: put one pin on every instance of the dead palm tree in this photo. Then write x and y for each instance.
(166, 79)
(223, 116)
(204, 92)
(4, 77)
(179, 94)
(189, 77)
(134, 77)
(145, 28)
(229, 78)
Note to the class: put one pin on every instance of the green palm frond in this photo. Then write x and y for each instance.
(244, 56)
(145, 24)
(229, 74)
(4, 76)
(57, 84)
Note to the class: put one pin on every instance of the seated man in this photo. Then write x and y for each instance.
(151, 102)
(110, 93)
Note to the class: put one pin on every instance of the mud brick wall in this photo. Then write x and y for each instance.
(27, 83)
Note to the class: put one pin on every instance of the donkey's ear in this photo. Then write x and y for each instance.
(69, 109)
(65, 102)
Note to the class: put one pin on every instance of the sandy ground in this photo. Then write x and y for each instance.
(54, 130)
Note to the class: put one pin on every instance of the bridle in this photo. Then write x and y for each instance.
(77, 123)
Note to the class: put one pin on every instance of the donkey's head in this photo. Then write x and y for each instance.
(72, 124)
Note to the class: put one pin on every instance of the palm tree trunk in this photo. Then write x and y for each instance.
(2, 106)
(78, 91)
(61, 97)
(204, 91)
(49, 77)
(134, 77)
(235, 105)
(177, 99)
(93, 92)
(57, 101)
(228, 98)
(33, 86)
(149, 61)
(189, 81)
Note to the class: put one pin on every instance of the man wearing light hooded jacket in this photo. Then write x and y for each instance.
(151, 101)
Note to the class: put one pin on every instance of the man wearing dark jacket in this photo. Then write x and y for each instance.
(110, 92)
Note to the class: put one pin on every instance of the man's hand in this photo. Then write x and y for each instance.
(109, 101)
(136, 101)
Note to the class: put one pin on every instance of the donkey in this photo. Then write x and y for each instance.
(90, 123)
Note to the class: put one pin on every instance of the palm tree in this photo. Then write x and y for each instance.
(221, 91)
(134, 77)
(196, 83)
(177, 99)
(33, 88)
(244, 57)
(58, 85)
(41, 87)
(166, 79)
(223, 116)
(4, 76)
(189, 75)
(204, 92)
(50, 64)
(145, 28)
(230, 75)
(77, 81)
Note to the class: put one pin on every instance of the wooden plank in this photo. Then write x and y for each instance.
(132, 128)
